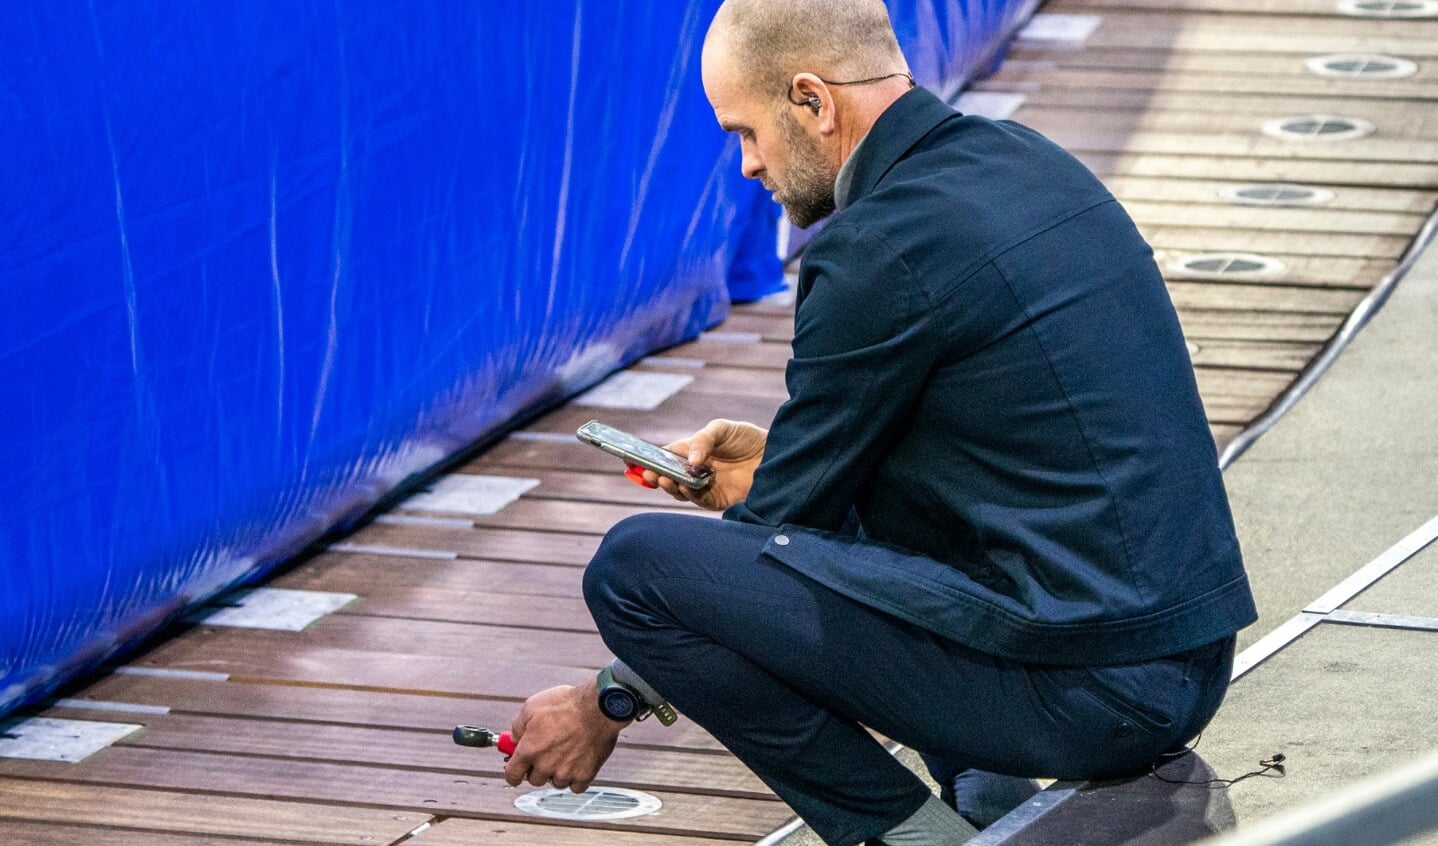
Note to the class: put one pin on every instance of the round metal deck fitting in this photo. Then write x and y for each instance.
(594, 804)
(1389, 8)
(1317, 128)
(1275, 194)
(1227, 266)
(1360, 66)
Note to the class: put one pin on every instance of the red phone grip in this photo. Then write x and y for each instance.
(635, 474)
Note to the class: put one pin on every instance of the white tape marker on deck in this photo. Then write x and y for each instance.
(994, 105)
(463, 493)
(1064, 30)
(634, 390)
(276, 609)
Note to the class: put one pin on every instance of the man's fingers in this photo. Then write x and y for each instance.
(537, 778)
(516, 769)
(702, 442)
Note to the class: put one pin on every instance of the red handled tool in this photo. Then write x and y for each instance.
(483, 738)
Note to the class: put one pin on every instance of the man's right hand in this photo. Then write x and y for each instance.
(728, 447)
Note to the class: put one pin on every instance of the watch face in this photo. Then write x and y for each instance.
(617, 703)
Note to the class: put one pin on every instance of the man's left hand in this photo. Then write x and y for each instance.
(562, 738)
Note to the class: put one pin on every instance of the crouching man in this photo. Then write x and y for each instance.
(988, 521)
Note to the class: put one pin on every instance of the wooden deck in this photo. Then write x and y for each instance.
(340, 733)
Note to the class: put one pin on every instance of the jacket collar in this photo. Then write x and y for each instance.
(901, 126)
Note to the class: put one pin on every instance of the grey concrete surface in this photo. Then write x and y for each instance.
(1353, 467)
(1349, 472)
(1411, 590)
(1342, 703)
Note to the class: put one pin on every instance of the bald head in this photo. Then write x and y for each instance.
(768, 41)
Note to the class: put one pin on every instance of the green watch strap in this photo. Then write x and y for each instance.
(665, 713)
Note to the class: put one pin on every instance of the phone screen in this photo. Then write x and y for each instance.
(641, 452)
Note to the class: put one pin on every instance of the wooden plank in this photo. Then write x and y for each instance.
(1238, 8)
(1277, 298)
(607, 486)
(1220, 34)
(1118, 103)
(1307, 86)
(762, 383)
(685, 414)
(642, 768)
(1201, 324)
(1249, 384)
(534, 455)
(1374, 149)
(379, 709)
(759, 354)
(60, 834)
(556, 516)
(1215, 219)
(408, 791)
(780, 303)
(776, 328)
(1239, 411)
(1408, 121)
(488, 543)
(1331, 244)
(1316, 172)
(479, 605)
(1223, 433)
(1158, 27)
(1299, 271)
(347, 572)
(1191, 193)
(399, 672)
(195, 814)
(476, 643)
(1274, 66)
(457, 832)
(1255, 355)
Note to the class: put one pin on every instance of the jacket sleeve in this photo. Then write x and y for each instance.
(865, 342)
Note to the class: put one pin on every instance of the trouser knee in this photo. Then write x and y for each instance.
(625, 562)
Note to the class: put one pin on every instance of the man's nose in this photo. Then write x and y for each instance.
(750, 164)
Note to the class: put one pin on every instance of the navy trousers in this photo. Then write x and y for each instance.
(787, 673)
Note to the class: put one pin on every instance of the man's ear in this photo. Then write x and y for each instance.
(810, 92)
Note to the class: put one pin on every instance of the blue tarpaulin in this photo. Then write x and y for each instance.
(263, 263)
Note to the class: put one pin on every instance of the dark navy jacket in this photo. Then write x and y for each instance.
(989, 372)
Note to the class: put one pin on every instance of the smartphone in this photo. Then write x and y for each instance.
(649, 456)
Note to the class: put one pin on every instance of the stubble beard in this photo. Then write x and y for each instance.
(807, 192)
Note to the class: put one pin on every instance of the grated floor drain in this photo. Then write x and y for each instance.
(1389, 8)
(1361, 66)
(1227, 265)
(1275, 194)
(596, 803)
(1317, 128)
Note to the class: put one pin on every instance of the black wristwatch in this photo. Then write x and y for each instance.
(619, 702)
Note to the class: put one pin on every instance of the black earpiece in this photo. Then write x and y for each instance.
(813, 103)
